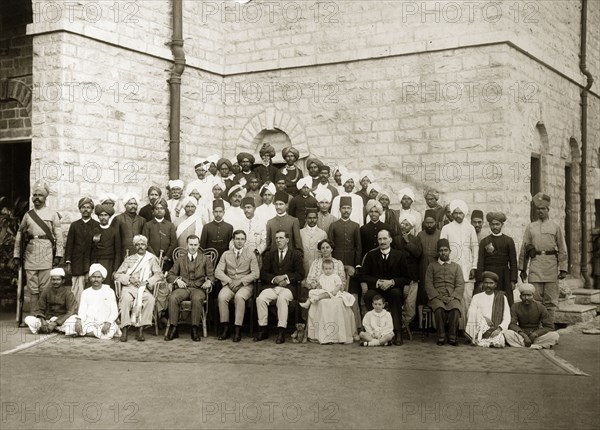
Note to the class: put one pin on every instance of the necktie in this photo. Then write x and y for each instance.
(192, 258)
(280, 256)
(237, 256)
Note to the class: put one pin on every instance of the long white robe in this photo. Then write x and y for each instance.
(96, 308)
(480, 309)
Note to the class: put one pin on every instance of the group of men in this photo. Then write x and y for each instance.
(265, 223)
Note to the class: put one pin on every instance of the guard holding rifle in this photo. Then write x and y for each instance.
(38, 246)
(545, 252)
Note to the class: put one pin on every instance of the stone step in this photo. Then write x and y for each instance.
(585, 296)
(569, 300)
(573, 314)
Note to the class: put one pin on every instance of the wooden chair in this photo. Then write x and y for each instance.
(185, 308)
(118, 288)
(426, 314)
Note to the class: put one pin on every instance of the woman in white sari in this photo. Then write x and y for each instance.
(331, 319)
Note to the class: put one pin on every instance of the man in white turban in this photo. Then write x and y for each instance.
(191, 222)
(139, 274)
(324, 217)
(407, 198)
(266, 210)
(300, 203)
(369, 231)
(464, 245)
(174, 203)
(531, 324)
(128, 224)
(365, 179)
(348, 182)
(41, 237)
(98, 309)
(56, 305)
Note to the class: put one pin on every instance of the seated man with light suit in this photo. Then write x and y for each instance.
(237, 270)
(386, 273)
(282, 271)
(191, 276)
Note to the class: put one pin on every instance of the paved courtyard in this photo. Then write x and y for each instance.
(64, 383)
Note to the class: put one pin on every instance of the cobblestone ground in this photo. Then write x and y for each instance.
(85, 383)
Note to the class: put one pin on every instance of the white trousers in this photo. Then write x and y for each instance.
(545, 341)
(283, 296)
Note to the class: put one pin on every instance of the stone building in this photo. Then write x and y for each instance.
(481, 100)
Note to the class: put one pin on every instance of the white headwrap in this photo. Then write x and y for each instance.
(347, 176)
(187, 200)
(177, 183)
(368, 174)
(372, 187)
(98, 268)
(57, 271)
(374, 204)
(218, 181)
(324, 196)
(129, 196)
(107, 196)
(307, 180)
(270, 186)
(237, 189)
(140, 238)
(409, 218)
(527, 288)
(460, 204)
(408, 193)
(213, 159)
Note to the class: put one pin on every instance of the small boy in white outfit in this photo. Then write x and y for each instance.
(378, 324)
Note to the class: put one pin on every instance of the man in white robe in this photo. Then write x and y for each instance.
(267, 210)
(190, 223)
(357, 215)
(407, 198)
(234, 215)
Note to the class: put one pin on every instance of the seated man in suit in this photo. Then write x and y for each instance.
(191, 275)
(237, 270)
(138, 275)
(386, 273)
(282, 271)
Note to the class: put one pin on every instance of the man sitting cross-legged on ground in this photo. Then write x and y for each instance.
(56, 305)
(98, 309)
(282, 271)
(237, 270)
(191, 275)
(444, 284)
(531, 324)
(138, 276)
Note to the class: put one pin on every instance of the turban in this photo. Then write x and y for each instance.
(57, 271)
(140, 238)
(104, 208)
(382, 195)
(187, 200)
(367, 174)
(340, 169)
(280, 177)
(213, 159)
(42, 187)
(443, 242)
(130, 196)
(218, 203)
(409, 218)
(193, 187)
(323, 167)
(477, 214)
(155, 188)
(495, 215)
(345, 201)
(248, 201)
(200, 163)
(313, 160)
(305, 181)
(346, 176)
(372, 187)
(281, 196)
(267, 186)
(234, 161)
(408, 193)
(312, 211)
(98, 268)
(160, 202)
(224, 161)
(243, 155)
(177, 183)
(490, 275)
(289, 149)
(106, 197)
(374, 204)
(429, 213)
(541, 200)
(526, 288)
(267, 149)
(459, 204)
(431, 192)
(324, 196)
(85, 200)
(218, 182)
(237, 189)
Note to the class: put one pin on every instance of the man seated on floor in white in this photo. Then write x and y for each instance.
(56, 305)
(138, 276)
(98, 311)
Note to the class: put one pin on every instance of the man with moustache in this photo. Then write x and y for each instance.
(174, 203)
(266, 171)
(531, 325)
(407, 198)
(154, 194)
(217, 233)
(477, 223)
(365, 178)
(444, 285)
(299, 204)
(79, 246)
(128, 224)
(284, 222)
(498, 254)
(106, 243)
(428, 237)
(234, 214)
(357, 203)
(431, 199)
(266, 210)
(311, 236)
(161, 234)
(253, 190)
(545, 250)
(245, 160)
(388, 216)
(368, 232)
(323, 182)
(43, 241)
(256, 231)
(324, 217)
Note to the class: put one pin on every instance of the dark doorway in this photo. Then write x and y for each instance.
(536, 183)
(15, 161)
(569, 212)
